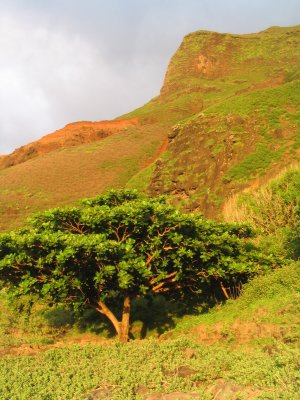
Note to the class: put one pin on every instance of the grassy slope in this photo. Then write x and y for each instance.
(64, 176)
(271, 302)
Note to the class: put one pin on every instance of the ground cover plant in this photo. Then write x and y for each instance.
(72, 373)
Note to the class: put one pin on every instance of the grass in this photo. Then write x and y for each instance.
(73, 372)
(273, 298)
(266, 101)
(142, 179)
(255, 163)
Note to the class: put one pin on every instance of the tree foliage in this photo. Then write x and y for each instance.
(120, 246)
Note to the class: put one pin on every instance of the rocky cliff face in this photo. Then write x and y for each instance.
(205, 57)
(247, 130)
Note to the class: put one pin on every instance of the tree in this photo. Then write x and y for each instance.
(120, 246)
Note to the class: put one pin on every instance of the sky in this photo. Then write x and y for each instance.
(63, 61)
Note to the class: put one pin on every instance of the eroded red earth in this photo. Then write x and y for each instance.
(71, 135)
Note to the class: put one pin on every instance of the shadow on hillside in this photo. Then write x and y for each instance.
(150, 316)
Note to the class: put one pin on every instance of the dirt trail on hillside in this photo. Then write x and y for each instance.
(82, 340)
(157, 154)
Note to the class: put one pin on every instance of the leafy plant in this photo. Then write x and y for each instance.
(120, 246)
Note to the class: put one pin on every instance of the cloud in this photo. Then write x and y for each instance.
(50, 76)
(47, 77)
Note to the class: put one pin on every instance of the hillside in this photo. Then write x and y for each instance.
(247, 130)
(72, 134)
(62, 176)
(230, 106)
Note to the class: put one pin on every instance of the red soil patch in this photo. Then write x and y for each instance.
(76, 128)
(158, 153)
(71, 135)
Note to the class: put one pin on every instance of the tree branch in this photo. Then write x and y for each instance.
(167, 230)
(75, 227)
(224, 291)
(171, 275)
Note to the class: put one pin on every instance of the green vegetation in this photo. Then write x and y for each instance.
(267, 101)
(142, 179)
(254, 164)
(273, 211)
(118, 247)
(272, 299)
(74, 372)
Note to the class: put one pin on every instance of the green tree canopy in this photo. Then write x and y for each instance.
(120, 246)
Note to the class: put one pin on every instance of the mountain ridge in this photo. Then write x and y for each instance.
(72, 134)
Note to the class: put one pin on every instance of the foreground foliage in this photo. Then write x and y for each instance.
(71, 373)
(120, 246)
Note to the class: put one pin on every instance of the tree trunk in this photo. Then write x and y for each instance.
(103, 309)
(121, 327)
(224, 291)
(124, 326)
